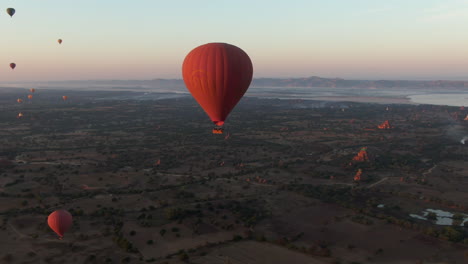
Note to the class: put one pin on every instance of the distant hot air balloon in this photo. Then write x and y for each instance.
(60, 221)
(11, 11)
(20, 115)
(59, 41)
(19, 100)
(217, 75)
(32, 90)
(12, 65)
(65, 97)
(30, 96)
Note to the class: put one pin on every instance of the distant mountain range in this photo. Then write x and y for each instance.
(342, 83)
(269, 82)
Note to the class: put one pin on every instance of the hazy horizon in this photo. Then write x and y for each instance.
(255, 78)
(401, 40)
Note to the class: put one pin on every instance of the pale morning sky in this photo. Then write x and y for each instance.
(146, 39)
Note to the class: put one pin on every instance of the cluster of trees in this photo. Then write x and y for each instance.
(179, 214)
(449, 233)
(118, 237)
(319, 248)
(106, 212)
(123, 243)
(249, 211)
(353, 199)
(362, 220)
(432, 199)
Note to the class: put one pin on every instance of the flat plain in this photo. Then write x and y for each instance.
(147, 182)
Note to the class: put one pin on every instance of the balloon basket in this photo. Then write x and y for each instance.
(218, 130)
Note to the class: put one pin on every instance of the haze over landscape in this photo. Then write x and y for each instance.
(234, 132)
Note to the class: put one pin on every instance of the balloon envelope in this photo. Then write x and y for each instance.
(64, 97)
(32, 90)
(60, 221)
(217, 75)
(59, 41)
(12, 65)
(30, 96)
(11, 11)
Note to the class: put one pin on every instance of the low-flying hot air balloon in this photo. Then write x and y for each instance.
(217, 75)
(59, 41)
(20, 115)
(30, 96)
(64, 97)
(32, 90)
(12, 65)
(60, 221)
(11, 11)
(19, 100)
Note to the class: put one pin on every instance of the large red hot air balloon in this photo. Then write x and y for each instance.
(60, 221)
(217, 75)
(59, 41)
(12, 65)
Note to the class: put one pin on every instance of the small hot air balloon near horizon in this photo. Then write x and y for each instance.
(65, 97)
(217, 75)
(60, 221)
(59, 41)
(32, 90)
(19, 100)
(11, 11)
(12, 65)
(30, 96)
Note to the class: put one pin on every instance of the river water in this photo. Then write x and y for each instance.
(451, 99)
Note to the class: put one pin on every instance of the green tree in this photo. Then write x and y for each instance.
(183, 256)
(451, 234)
(432, 216)
(458, 216)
